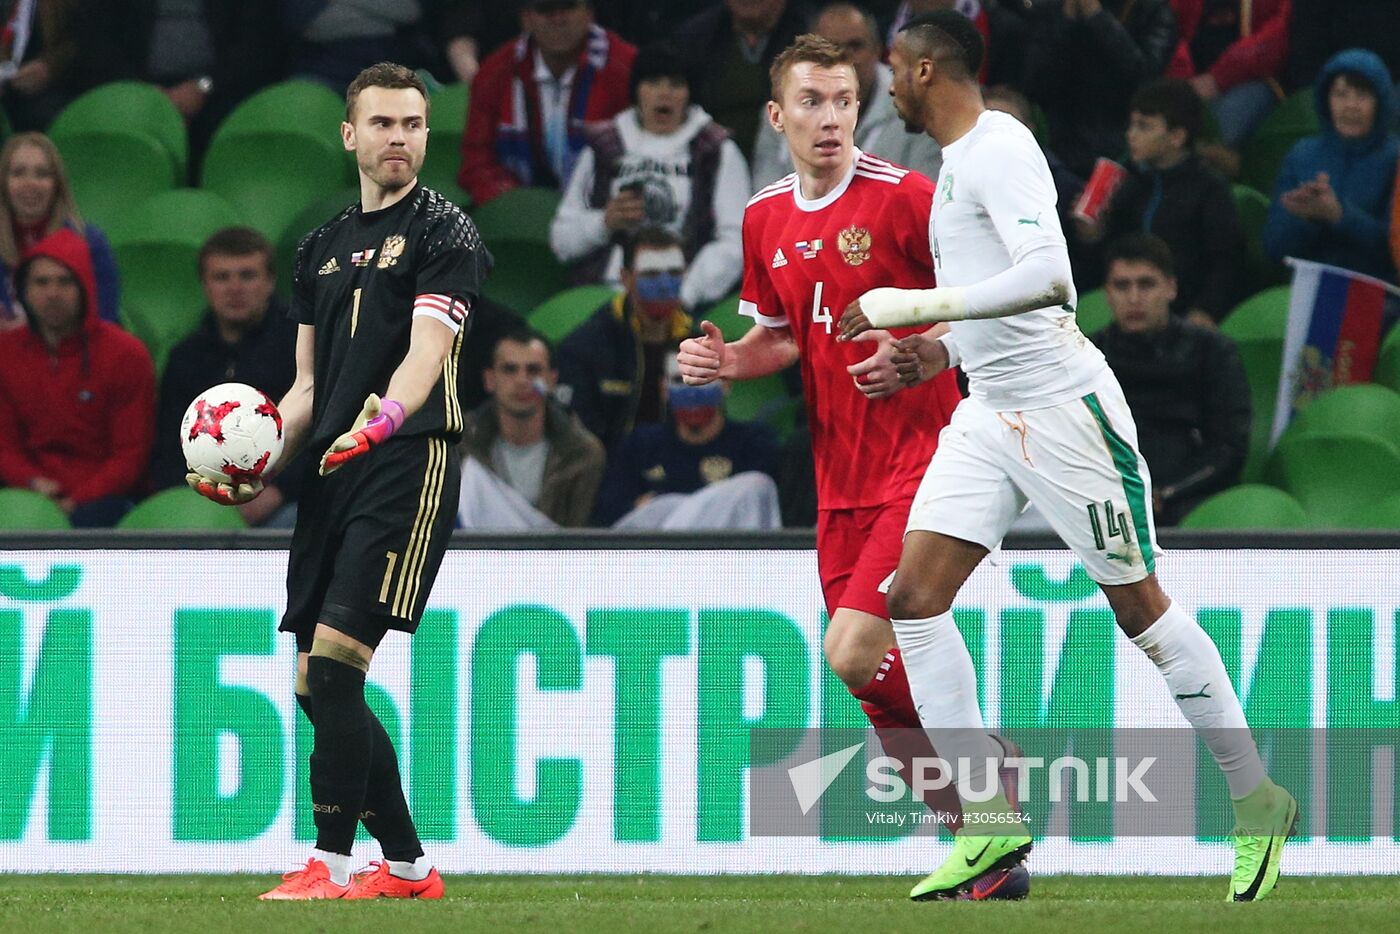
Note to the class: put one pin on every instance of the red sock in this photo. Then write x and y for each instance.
(886, 699)
(890, 707)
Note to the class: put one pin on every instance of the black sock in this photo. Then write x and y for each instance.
(386, 814)
(340, 758)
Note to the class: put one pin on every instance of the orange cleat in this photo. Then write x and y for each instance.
(380, 883)
(312, 881)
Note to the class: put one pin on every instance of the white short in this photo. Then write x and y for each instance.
(1078, 462)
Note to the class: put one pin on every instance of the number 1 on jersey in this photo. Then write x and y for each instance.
(820, 313)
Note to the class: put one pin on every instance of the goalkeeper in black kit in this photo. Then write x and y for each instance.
(383, 295)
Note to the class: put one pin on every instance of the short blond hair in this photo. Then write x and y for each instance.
(808, 47)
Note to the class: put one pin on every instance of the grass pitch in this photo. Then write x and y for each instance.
(620, 904)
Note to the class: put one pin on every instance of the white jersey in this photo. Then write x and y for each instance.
(995, 202)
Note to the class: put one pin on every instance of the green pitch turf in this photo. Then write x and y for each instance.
(618, 904)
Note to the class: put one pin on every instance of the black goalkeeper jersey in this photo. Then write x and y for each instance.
(355, 279)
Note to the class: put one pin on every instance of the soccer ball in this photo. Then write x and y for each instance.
(231, 433)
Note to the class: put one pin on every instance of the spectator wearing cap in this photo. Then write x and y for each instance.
(663, 162)
(532, 97)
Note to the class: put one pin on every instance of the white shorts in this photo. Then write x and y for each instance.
(1077, 462)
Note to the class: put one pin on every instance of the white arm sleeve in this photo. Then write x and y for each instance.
(717, 265)
(577, 229)
(1040, 279)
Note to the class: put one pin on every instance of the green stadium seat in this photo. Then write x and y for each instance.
(1256, 326)
(161, 317)
(27, 510)
(525, 276)
(1363, 408)
(1262, 316)
(1092, 312)
(1387, 513)
(308, 219)
(184, 215)
(1253, 210)
(271, 176)
(763, 399)
(180, 508)
(1337, 477)
(561, 313)
(289, 106)
(1264, 152)
(124, 107)
(444, 157)
(440, 165)
(523, 214)
(112, 173)
(157, 250)
(725, 315)
(1248, 506)
(449, 113)
(1387, 372)
(784, 418)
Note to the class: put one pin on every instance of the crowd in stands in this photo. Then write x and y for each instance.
(1238, 133)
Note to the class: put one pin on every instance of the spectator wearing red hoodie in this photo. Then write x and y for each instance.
(533, 95)
(77, 394)
(1233, 52)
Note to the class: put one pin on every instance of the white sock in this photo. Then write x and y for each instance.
(415, 871)
(1191, 665)
(337, 863)
(944, 686)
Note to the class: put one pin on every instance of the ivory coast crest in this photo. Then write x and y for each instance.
(853, 243)
(392, 249)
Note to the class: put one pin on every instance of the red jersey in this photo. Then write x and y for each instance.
(804, 262)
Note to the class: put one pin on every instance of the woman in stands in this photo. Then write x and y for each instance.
(35, 201)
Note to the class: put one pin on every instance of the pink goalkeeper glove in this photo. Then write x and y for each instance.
(376, 423)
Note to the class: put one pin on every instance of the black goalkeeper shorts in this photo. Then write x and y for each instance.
(370, 538)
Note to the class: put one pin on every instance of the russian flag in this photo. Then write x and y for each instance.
(1335, 318)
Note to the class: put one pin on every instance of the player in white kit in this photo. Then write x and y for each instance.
(1045, 423)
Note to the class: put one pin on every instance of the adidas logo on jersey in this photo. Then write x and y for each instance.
(332, 265)
(779, 260)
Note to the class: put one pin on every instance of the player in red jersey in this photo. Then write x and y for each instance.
(814, 241)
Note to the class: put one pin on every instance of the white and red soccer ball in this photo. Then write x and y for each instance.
(231, 433)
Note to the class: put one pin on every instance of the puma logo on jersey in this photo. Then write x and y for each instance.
(1027, 222)
(331, 265)
(779, 260)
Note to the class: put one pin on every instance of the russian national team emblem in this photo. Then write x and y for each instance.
(854, 245)
(392, 249)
